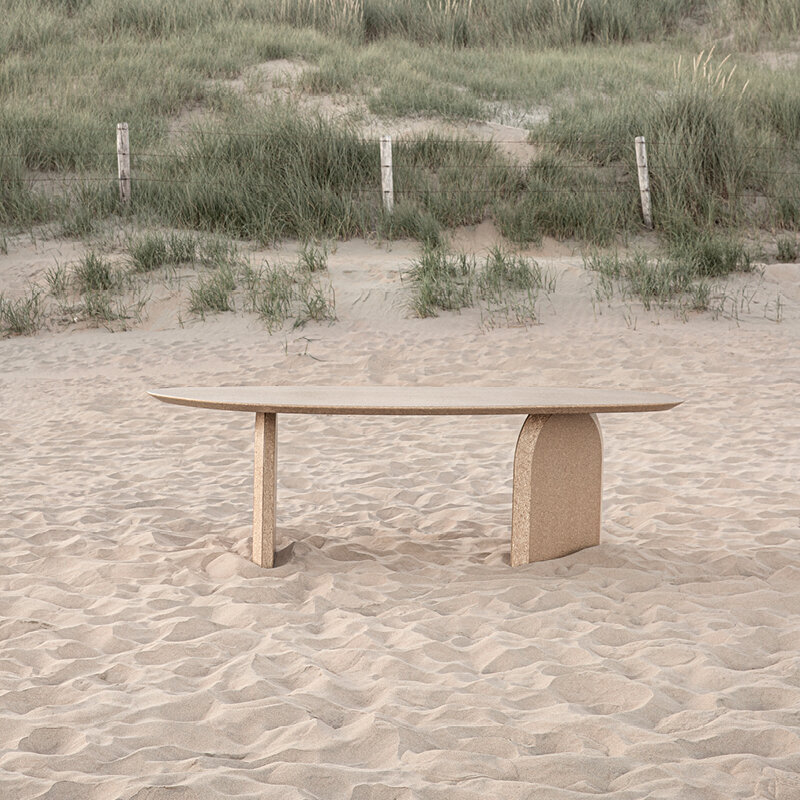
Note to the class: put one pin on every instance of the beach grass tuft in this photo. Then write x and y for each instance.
(152, 251)
(503, 283)
(277, 293)
(681, 279)
(22, 316)
(787, 249)
(441, 280)
(213, 292)
(313, 257)
(93, 273)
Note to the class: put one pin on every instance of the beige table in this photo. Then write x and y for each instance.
(556, 501)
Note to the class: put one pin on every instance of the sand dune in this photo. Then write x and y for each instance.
(393, 653)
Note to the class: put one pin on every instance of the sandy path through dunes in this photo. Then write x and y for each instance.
(394, 654)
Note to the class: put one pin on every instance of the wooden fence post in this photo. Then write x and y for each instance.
(387, 180)
(644, 181)
(124, 162)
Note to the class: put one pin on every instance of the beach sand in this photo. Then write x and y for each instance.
(393, 653)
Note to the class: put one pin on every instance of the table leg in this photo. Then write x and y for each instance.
(556, 504)
(265, 489)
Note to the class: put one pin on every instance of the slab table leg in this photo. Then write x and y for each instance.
(556, 505)
(265, 487)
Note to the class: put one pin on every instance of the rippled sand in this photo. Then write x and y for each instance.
(393, 653)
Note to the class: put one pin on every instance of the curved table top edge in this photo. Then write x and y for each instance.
(647, 401)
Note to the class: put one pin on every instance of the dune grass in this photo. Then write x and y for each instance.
(277, 293)
(788, 249)
(114, 313)
(502, 284)
(716, 157)
(723, 146)
(90, 290)
(313, 257)
(683, 279)
(151, 251)
(114, 291)
(93, 273)
(307, 177)
(22, 316)
(271, 294)
(441, 281)
(213, 292)
(455, 23)
(282, 292)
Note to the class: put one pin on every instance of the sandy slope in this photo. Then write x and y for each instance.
(394, 653)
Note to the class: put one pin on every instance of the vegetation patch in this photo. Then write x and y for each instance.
(680, 280)
(723, 139)
(502, 284)
(152, 251)
(213, 292)
(715, 163)
(93, 273)
(101, 308)
(278, 293)
(787, 249)
(22, 316)
(441, 281)
(414, 95)
(313, 257)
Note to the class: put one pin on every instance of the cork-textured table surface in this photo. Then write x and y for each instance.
(415, 400)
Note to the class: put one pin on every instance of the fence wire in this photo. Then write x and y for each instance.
(497, 176)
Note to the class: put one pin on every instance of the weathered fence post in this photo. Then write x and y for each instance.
(387, 180)
(644, 181)
(124, 162)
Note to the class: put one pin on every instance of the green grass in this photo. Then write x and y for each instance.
(441, 281)
(504, 284)
(505, 273)
(20, 206)
(307, 177)
(57, 279)
(720, 159)
(279, 293)
(313, 257)
(100, 308)
(152, 251)
(414, 95)
(680, 280)
(708, 255)
(556, 199)
(213, 293)
(271, 294)
(148, 252)
(787, 249)
(659, 283)
(315, 303)
(298, 176)
(412, 220)
(453, 24)
(714, 159)
(22, 316)
(93, 273)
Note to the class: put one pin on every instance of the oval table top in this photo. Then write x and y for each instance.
(415, 400)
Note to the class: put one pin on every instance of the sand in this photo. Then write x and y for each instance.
(393, 653)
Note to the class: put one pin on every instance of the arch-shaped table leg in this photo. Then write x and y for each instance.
(556, 506)
(265, 489)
